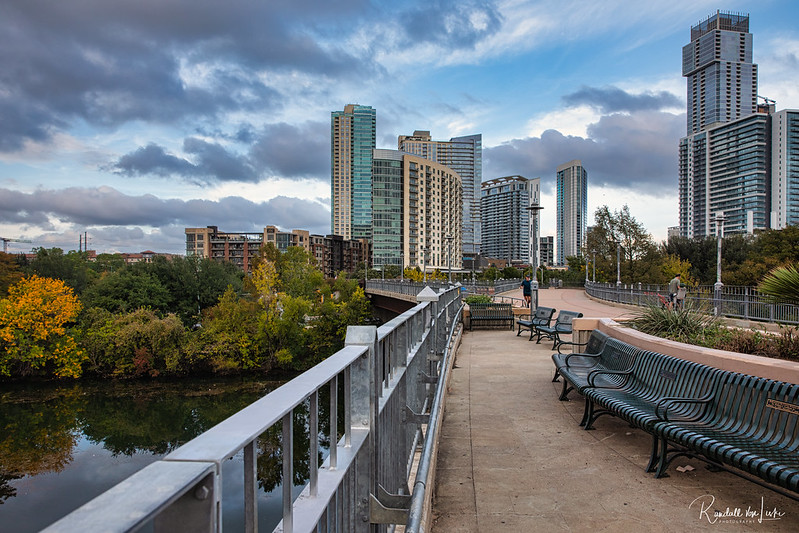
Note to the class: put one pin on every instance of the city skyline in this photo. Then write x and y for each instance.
(133, 122)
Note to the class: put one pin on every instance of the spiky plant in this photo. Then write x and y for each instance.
(684, 324)
(782, 283)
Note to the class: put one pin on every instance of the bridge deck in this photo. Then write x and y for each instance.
(513, 457)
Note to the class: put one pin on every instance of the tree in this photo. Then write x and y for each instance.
(782, 283)
(637, 249)
(34, 323)
(127, 290)
(9, 273)
(72, 268)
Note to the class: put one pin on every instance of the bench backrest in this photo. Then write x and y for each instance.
(657, 376)
(563, 322)
(596, 342)
(543, 316)
(766, 409)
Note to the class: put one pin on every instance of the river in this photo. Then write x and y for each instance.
(63, 444)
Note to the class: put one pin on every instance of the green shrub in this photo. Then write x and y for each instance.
(684, 325)
(477, 299)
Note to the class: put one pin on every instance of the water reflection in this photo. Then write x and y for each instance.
(60, 446)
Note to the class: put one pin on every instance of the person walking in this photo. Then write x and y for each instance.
(527, 289)
(674, 289)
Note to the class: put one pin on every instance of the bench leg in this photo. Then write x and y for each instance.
(654, 454)
(564, 393)
(589, 407)
(555, 377)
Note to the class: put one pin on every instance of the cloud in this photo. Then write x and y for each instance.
(635, 151)
(453, 25)
(107, 207)
(613, 100)
(294, 150)
(108, 64)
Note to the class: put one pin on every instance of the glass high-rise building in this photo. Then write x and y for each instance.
(571, 183)
(464, 155)
(352, 139)
(785, 168)
(416, 211)
(722, 79)
(510, 228)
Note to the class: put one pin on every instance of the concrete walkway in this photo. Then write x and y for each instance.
(513, 458)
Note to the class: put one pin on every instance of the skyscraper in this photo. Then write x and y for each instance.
(352, 139)
(722, 80)
(785, 168)
(464, 155)
(571, 183)
(510, 228)
(416, 212)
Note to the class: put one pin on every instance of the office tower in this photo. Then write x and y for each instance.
(722, 80)
(416, 212)
(571, 183)
(464, 155)
(352, 139)
(547, 247)
(510, 221)
(785, 168)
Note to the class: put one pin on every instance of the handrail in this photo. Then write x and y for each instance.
(385, 375)
(424, 471)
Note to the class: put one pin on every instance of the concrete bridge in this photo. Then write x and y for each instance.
(493, 448)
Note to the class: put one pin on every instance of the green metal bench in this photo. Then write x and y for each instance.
(541, 317)
(749, 427)
(601, 353)
(491, 314)
(746, 425)
(562, 326)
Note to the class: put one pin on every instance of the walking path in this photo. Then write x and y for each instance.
(513, 458)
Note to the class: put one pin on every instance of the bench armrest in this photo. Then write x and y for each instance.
(665, 403)
(569, 356)
(591, 378)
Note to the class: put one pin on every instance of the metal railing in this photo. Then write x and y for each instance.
(415, 287)
(731, 301)
(386, 375)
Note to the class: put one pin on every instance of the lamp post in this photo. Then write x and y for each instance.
(586, 269)
(618, 264)
(402, 266)
(424, 263)
(719, 220)
(449, 257)
(534, 209)
(593, 262)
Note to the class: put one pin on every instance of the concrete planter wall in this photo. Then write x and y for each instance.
(754, 365)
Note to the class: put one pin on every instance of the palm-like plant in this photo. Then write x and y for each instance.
(782, 283)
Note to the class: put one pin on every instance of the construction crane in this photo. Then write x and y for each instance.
(6, 241)
(767, 100)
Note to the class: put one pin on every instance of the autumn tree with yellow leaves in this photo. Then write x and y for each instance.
(34, 334)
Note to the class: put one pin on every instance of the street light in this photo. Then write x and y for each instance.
(719, 220)
(534, 208)
(402, 266)
(424, 262)
(618, 264)
(449, 257)
(593, 262)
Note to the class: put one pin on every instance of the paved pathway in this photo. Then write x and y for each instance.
(513, 458)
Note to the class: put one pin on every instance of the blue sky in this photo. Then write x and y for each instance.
(131, 121)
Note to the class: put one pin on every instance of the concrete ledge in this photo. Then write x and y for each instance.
(753, 365)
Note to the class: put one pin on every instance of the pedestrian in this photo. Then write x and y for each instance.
(527, 289)
(674, 288)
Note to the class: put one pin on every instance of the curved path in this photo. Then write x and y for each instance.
(513, 458)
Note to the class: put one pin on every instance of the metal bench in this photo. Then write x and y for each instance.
(601, 353)
(743, 424)
(491, 314)
(562, 326)
(749, 427)
(541, 317)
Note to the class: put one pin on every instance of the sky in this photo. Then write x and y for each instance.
(130, 121)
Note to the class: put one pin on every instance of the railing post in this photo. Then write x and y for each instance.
(364, 405)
